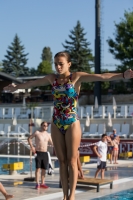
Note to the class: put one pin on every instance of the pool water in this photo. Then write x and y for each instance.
(124, 195)
(26, 162)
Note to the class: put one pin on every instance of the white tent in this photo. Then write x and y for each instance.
(24, 102)
(96, 102)
(109, 120)
(14, 122)
(114, 103)
(87, 122)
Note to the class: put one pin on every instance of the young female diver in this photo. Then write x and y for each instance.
(65, 126)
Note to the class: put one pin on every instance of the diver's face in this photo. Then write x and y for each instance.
(61, 65)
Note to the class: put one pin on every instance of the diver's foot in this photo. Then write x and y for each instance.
(8, 196)
(71, 198)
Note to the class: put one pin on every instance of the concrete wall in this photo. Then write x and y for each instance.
(107, 99)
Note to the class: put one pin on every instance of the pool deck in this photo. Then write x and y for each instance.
(122, 174)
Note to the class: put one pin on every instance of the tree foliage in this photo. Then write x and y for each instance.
(47, 55)
(122, 46)
(44, 68)
(106, 84)
(16, 60)
(33, 72)
(1, 66)
(79, 50)
(121, 88)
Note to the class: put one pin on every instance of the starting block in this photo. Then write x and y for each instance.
(126, 154)
(17, 183)
(108, 156)
(86, 171)
(13, 167)
(84, 159)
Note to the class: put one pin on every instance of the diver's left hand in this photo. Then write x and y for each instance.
(128, 74)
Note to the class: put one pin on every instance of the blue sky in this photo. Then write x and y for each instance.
(41, 23)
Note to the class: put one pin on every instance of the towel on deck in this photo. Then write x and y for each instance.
(50, 167)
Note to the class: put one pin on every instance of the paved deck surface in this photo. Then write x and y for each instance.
(122, 174)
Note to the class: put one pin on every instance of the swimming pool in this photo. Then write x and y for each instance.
(124, 195)
(26, 161)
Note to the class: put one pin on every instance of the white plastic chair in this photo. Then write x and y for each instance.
(37, 112)
(24, 114)
(123, 111)
(7, 129)
(117, 127)
(82, 128)
(23, 130)
(87, 110)
(2, 113)
(130, 111)
(17, 112)
(9, 113)
(15, 132)
(26, 127)
(100, 112)
(124, 130)
(110, 110)
(92, 132)
(80, 112)
(101, 129)
(1, 129)
(49, 128)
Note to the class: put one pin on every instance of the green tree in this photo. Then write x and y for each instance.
(79, 50)
(121, 88)
(106, 84)
(16, 60)
(47, 55)
(87, 86)
(122, 46)
(44, 68)
(1, 66)
(33, 71)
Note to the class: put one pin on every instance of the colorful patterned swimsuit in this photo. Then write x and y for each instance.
(65, 101)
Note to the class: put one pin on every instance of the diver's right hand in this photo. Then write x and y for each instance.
(10, 88)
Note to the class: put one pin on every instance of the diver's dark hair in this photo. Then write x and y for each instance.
(64, 54)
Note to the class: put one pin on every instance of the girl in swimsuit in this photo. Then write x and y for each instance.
(116, 142)
(65, 126)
